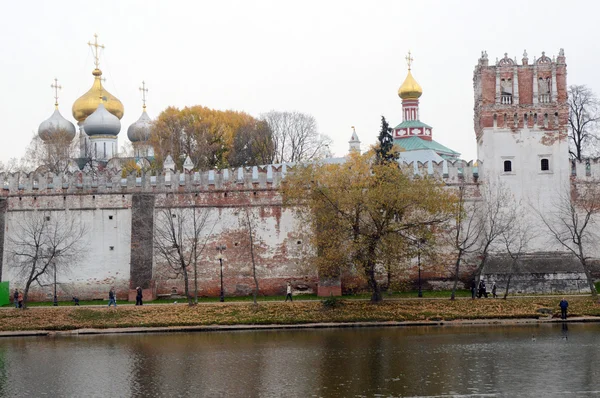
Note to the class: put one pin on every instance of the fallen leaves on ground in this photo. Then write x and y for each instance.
(68, 318)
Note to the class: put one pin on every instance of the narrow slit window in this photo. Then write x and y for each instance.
(507, 166)
(545, 165)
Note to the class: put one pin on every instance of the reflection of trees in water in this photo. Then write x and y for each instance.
(3, 377)
(332, 362)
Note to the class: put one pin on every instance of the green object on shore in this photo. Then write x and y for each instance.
(4, 293)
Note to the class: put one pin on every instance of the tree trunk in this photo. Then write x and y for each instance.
(255, 293)
(479, 269)
(507, 286)
(456, 269)
(373, 285)
(195, 281)
(512, 268)
(187, 289)
(590, 280)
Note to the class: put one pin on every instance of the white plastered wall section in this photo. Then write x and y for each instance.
(537, 190)
(104, 261)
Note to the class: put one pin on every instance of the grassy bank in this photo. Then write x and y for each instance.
(362, 296)
(68, 318)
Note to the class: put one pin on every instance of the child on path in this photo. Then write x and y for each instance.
(16, 298)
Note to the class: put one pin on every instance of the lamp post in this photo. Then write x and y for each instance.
(419, 243)
(221, 249)
(55, 303)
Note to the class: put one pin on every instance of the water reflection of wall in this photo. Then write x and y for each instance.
(334, 362)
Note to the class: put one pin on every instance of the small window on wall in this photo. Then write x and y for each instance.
(507, 166)
(545, 165)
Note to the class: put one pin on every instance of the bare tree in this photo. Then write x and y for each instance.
(249, 223)
(515, 241)
(42, 243)
(55, 155)
(584, 114)
(570, 222)
(12, 166)
(180, 237)
(498, 212)
(467, 231)
(295, 137)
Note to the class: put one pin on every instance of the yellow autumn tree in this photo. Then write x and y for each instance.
(205, 135)
(365, 214)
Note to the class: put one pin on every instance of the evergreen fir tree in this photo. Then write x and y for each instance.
(384, 151)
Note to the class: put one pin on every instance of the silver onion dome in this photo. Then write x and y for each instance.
(56, 126)
(140, 130)
(102, 122)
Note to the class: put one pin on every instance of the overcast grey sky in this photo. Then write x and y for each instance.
(341, 61)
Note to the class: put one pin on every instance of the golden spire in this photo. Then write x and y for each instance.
(56, 87)
(410, 89)
(144, 90)
(95, 50)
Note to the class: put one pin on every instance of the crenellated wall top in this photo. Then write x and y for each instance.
(243, 178)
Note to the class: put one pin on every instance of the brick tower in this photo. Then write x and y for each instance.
(521, 116)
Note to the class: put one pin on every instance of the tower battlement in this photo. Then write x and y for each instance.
(521, 96)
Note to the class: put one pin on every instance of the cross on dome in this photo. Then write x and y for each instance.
(144, 90)
(56, 87)
(95, 49)
(409, 60)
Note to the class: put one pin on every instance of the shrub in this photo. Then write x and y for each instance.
(331, 302)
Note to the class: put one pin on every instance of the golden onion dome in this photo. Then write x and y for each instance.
(88, 102)
(410, 89)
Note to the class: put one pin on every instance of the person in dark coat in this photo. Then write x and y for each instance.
(138, 296)
(473, 289)
(20, 300)
(112, 299)
(482, 289)
(494, 288)
(16, 298)
(76, 300)
(564, 304)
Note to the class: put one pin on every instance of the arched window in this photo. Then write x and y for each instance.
(507, 166)
(545, 165)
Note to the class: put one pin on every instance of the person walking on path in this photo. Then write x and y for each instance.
(494, 287)
(564, 304)
(20, 300)
(138, 296)
(16, 298)
(473, 289)
(111, 297)
(482, 289)
(289, 292)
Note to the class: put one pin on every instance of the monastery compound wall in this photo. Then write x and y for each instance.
(520, 120)
(119, 211)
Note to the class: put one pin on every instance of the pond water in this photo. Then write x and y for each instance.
(530, 361)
